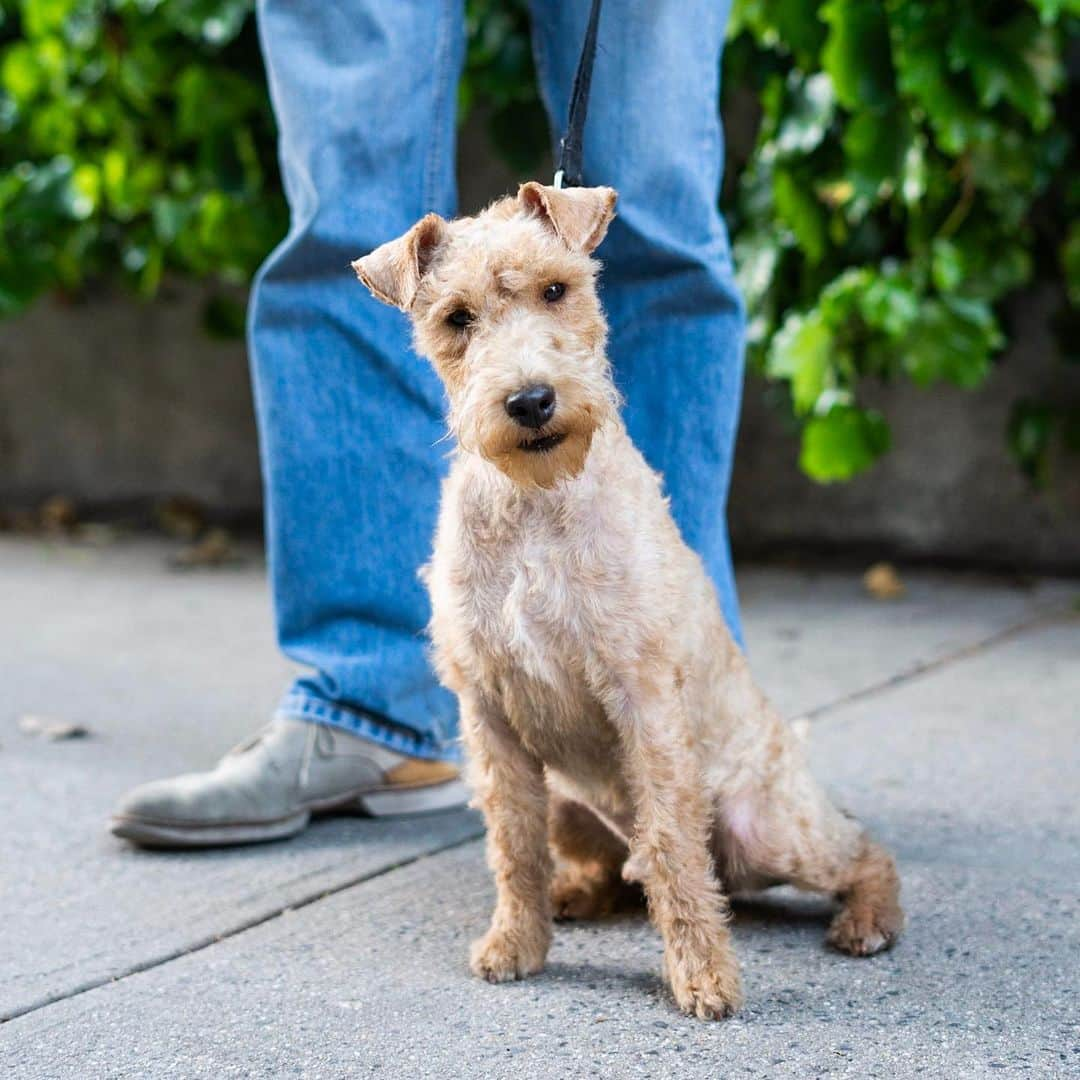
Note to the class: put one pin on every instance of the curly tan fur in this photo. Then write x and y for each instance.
(608, 713)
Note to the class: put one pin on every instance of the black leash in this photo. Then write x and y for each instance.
(568, 168)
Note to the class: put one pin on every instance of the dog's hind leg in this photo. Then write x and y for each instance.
(870, 918)
(791, 832)
(588, 880)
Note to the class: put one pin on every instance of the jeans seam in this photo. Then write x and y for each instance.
(442, 81)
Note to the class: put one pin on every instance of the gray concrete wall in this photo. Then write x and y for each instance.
(108, 401)
(948, 489)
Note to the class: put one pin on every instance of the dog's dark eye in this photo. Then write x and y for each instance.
(459, 318)
(554, 292)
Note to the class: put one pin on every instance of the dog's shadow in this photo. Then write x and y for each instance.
(591, 976)
(756, 918)
(781, 908)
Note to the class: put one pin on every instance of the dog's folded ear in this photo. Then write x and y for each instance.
(579, 216)
(394, 270)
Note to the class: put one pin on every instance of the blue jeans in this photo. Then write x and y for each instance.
(350, 418)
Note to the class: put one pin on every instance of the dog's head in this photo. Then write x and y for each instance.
(504, 304)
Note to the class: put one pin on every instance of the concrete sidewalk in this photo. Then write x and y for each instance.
(948, 720)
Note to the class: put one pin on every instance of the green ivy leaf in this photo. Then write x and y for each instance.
(802, 352)
(876, 143)
(1002, 63)
(923, 77)
(780, 24)
(798, 207)
(842, 443)
(889, 303)
(947, 265)
(856, 53)
(42, 17)
(810, 111)
(21, 75)
(1052, 10)
(952, 340)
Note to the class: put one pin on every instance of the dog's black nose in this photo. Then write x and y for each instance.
(532, 407)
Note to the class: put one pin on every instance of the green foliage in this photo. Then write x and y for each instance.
(136, 137)
(912, 167)
(500, 77)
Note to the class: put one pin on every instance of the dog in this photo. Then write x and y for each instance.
(611, 721)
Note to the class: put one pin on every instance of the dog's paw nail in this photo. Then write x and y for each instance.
(707, 1006)
(709, 997)
(864, 935)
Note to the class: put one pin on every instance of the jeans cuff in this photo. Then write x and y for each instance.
(299, 706)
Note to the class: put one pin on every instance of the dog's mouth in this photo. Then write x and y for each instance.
(543, 444)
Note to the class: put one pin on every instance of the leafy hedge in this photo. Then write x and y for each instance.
(912, 167)
(135, 135)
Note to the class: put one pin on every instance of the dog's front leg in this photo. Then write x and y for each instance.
(511, 791)
(669, 855)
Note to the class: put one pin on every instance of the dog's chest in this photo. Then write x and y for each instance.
(521, 608)
(522, 597)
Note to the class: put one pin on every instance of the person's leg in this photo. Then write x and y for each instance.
(349, 417)
(654, 134)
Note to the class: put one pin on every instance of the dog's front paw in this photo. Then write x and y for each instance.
(500, 957)
(709, 993)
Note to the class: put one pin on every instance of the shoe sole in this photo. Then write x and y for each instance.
(408, 802)
(389, 802)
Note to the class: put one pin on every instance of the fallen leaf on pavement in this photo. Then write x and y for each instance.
(882, 582)
(58, 514)
(214, 549)
(53, 730)
(180, 516)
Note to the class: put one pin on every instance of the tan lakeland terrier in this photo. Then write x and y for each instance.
(609, 716)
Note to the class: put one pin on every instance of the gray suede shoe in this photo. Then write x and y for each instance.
(269, 787)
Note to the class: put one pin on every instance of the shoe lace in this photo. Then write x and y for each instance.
(249, 743)
(320, 740)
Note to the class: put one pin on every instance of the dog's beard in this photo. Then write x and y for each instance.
(542, 457)
(544, 467)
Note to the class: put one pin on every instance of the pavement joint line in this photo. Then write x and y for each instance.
(920, 668)
(234, 931)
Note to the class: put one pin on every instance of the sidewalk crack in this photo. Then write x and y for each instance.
(231, 932)
(925, 667)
